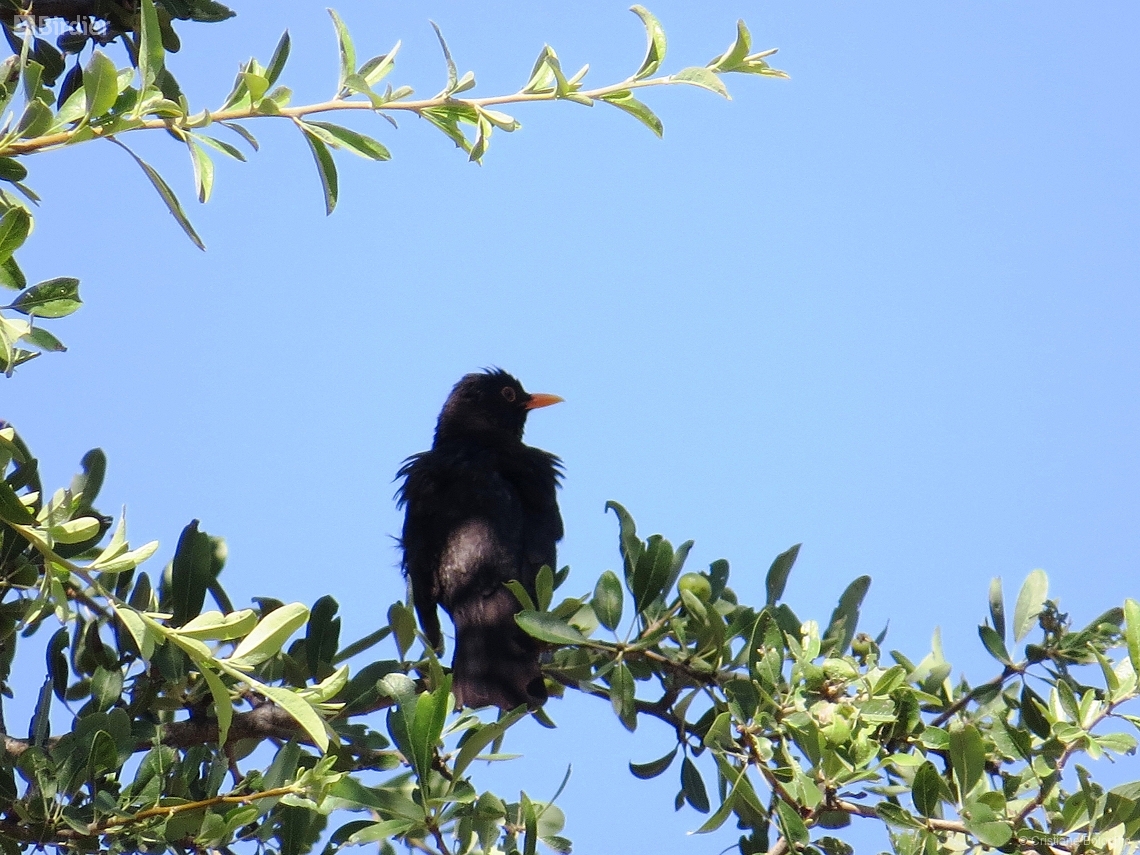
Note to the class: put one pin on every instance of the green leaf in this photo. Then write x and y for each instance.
(403, 623)
(100, 84)
(144, 637)
(718, 818)
(377, 68)
(895, 815)
(625, 102)
(322, 635)
(191, 573)
(384, 830)
(628, 541)
(1033, 713)
(215, 626)
(301, 710)
(151, 53)
(622, 689)
(14, 228)
(653, 768)
(452, 72)
(36, 119)
(40, 728)
(74, 531)
(997, 607)
(845, 618)
(11, 276)
(967, 757)
(1030, 601)
(242, 132)
(653, 571)
(693, 785)
(106, 687)
(926, 791)
(1132, 632)
(345, 47)
(500, 120)
(218, 145)
(544, 587)
(656, 44)
(326, 169)
(521, 594)
(269, 636)
(431, 709)
(280, 57)
(256, 85)
(702, 77)
(43, 340)
(164, 191)
(52, 298)
(1121, 743)
(203, 170)
(12, 510)
(778, 573)
(985, 825)
(994, 644)
(737, 51)
(546, 627)
(420, 722)
(480, 738)
(530, 825)
(57, 662)
(607, 600)
(12, 170)
(102, 756)
(792, 824)
(357, 143)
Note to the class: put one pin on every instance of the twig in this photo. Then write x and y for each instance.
(60, 138)
(151, 813)
(657, 709)
(961, 703)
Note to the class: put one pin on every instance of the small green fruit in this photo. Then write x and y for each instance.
(697, 585)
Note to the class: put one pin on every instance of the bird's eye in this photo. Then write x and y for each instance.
(509, 394)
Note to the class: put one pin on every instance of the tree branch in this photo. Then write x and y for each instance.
(29, 146)
(960, 704)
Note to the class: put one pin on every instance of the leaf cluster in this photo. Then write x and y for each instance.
(789, 727)
(99, 99)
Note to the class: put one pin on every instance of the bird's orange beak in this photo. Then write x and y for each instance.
(542, 400)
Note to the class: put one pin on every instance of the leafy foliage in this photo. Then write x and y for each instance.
(787, 726)
(98, 100)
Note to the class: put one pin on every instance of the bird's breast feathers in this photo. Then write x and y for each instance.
(467, 566)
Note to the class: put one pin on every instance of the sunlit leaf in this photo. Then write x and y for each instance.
(345, 47)
(167, 195)
(326, 169)
(625, 102)
(546, 627)
(1030, 601)
(100, 84)
(280, 57)
(269, 636)
(656, 43)
(14, 228)
(607, 600)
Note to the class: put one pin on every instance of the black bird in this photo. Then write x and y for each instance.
(481, 510)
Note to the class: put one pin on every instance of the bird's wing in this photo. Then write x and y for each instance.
(537, 487)
(419, 493)
(463, 530)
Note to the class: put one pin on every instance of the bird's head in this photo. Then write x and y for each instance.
(490, 402)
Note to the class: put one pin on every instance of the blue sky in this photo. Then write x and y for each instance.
(887, 308)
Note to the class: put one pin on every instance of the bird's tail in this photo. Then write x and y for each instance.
(496, 663)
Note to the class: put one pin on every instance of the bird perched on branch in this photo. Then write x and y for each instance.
(480, 511)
